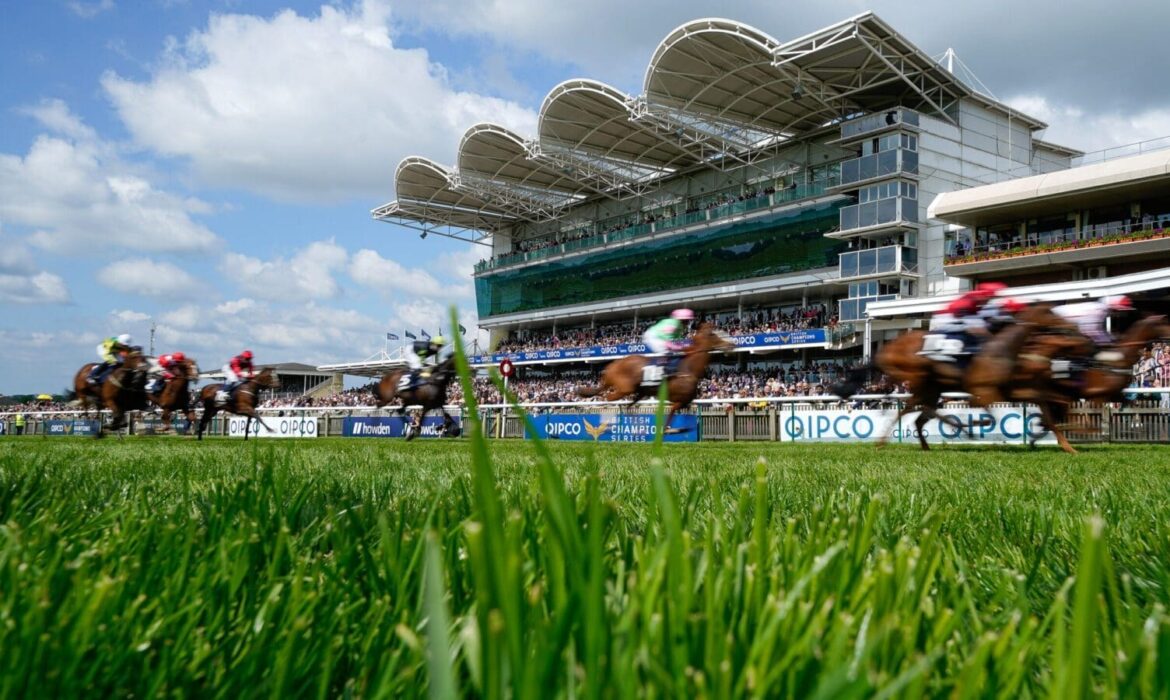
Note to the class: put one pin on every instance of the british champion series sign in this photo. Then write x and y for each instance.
(620, 427)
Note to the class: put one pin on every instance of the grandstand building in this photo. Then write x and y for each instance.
(812, 195)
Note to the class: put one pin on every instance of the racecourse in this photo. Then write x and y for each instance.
(376, 568)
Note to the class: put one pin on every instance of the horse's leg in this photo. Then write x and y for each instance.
(920, 422)
(1048, 416)
(205, 420)
(247, 426)
(906, 410)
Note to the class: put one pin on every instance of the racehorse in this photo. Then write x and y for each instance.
(241, 403)
(622, 377)
(926, 380)
(175, 396)
(122, 391)
(431, 395)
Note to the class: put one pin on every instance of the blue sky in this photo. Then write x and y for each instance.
(210, 166)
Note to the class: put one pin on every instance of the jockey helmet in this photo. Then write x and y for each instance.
(1119, 303)
(247, 354)
(178, 356)
(438, 340)
(990, 289)
(125, 339)
(1012, 306)
(682, 314)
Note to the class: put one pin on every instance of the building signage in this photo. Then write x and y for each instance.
(286, 427)
(392, 426)
(770, 341)
(998, 425)
(618, 427)
(72, 427)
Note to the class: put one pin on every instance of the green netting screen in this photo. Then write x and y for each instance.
(732, 252)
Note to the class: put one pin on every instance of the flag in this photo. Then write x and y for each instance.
(410, 335)
(425, 334)
(391, 336)
(462, 330)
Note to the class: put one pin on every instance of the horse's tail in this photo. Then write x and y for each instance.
(853, 382)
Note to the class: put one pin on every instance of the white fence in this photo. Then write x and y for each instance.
(784, 419)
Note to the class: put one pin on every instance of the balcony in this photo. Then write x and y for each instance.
(588, 238)
(1061, 247)
(878, 122)
(889, 211)
(854, 309)
(899, 161)
(887, 260)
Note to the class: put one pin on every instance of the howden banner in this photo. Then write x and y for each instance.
(618, 427)
(392, 426)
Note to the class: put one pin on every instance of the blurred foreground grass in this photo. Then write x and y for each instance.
(374, 568)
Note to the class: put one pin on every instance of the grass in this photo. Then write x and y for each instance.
(373, 568)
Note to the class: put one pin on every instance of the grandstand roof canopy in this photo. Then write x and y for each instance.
(716, 92)
(1064, 190)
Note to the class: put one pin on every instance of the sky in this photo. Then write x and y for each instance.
(209, 168)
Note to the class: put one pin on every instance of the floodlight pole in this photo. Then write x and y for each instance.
(153, 326)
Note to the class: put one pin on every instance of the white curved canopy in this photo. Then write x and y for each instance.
(717, 93)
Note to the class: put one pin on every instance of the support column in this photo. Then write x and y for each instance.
(867, 342)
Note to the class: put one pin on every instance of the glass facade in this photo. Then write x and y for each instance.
(878, 261)
(778, 245)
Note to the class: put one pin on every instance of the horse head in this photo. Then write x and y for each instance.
(710, 339)
(190, 369)
(267, 379)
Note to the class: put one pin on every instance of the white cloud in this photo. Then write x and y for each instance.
(38, 288)
(318, 108)
(236, 306)
(148, 278)
(1071, 126)
(20, 280)
(183, 317)
(370, 269)
(78, 196)
(89, 10)
(308, 274)
(128, 316)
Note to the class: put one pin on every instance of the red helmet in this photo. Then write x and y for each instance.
(1013, 306)
(247, 354)
(1119, 303)
(178, 356)
(987, 290)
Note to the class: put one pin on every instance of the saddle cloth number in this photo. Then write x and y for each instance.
(652, 374)
(938, 344)
(404, 382)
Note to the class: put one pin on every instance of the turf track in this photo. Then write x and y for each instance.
(303, 568)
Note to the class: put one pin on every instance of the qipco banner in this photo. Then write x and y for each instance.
(392, 426)
(72, 427)
(286, 427)
(965, 425)
(620, 427)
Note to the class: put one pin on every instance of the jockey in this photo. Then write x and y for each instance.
(236, 372)
(1089, 318)
(1000, 313)
(958, 330)
(666, 338)
(112, 352)
(163, 370)
(422, 357)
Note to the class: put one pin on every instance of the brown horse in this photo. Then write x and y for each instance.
(241, 403)
(431, 395)
(926, 380)
(122, 390)
(175, 395)
(622, 378)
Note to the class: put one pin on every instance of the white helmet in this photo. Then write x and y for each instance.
(125, 339)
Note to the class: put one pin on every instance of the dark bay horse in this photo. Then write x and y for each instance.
(622, 378)
(242, 403)
(122, 391)
(175, 394)
(431, 395)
